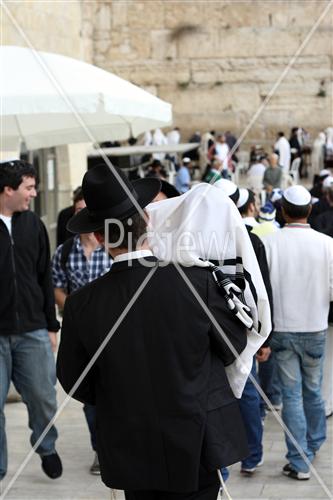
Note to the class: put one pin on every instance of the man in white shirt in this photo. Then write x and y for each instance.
(282, 147)
(255, 175)
(300, 261)
(222, 153)
(159, 139)
(257, 169)
(173, 137)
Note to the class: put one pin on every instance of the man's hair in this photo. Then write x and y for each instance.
(156, 164)
(251, 199)
(77, 195)
(134, 228)
(234, 196)
(295, 211)
(12, 173)
(281, 134)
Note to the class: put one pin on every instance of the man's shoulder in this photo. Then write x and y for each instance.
(91, 291)
(306, 234)
(27, 219)
(273, 238)
(321, 237)
(164, 271)
(27, 215)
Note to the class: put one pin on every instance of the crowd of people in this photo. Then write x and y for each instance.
(217, 153)
(167, 416)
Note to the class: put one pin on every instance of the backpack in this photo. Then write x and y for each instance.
(65, 251)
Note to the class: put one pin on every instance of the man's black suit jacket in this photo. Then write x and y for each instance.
(164, 404)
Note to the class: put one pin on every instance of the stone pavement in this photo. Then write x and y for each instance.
(77, 483)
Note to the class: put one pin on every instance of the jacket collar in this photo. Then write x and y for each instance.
(149, 262)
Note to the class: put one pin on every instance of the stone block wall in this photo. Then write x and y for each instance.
(61, 27)
(217, 61)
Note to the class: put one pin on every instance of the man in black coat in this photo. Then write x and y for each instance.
(28, 323)
(166, 416)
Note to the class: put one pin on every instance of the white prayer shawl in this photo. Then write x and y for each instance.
(329, 138)
(283, 148)
(173, 137)
(205, 224)
(159, 139)
(317, 154)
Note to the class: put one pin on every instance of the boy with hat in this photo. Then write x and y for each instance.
(301, 270)
(76, 262)
(167, 418)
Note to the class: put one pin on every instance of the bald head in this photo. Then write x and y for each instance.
(273, 160)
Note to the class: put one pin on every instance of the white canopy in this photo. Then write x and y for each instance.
(49, 99)
(142, 150)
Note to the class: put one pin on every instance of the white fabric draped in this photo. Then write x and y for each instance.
(205, 224)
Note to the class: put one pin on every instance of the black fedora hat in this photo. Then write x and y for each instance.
(168, 189)
(106, 198)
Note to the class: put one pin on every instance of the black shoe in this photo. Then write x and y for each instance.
(290, 472)
(51, 465)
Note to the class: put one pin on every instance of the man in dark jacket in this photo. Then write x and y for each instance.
(250, 403)
(28, 323)
(166, 416)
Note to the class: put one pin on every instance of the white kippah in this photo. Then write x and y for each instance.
(324, 173)
(297, 195)
(243, 197)
(228, 187)
(328, 182)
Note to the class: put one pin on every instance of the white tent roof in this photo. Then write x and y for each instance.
(49, 99)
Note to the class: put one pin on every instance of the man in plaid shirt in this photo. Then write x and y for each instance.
(75, 263)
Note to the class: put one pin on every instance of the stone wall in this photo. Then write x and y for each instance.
(59, 26)
(217, 61)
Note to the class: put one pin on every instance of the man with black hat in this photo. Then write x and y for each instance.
(301, 270)
(166, 416)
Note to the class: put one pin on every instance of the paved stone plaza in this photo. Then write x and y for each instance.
(77, 483)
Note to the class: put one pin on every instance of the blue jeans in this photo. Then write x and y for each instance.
(90, 413)
(267, 372)
(28, 361)
(250, 409)
(225, 473)
(300, 358)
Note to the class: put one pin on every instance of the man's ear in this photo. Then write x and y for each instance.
(8, 190)
(284, 215)
(309, 212)
(99, 237)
